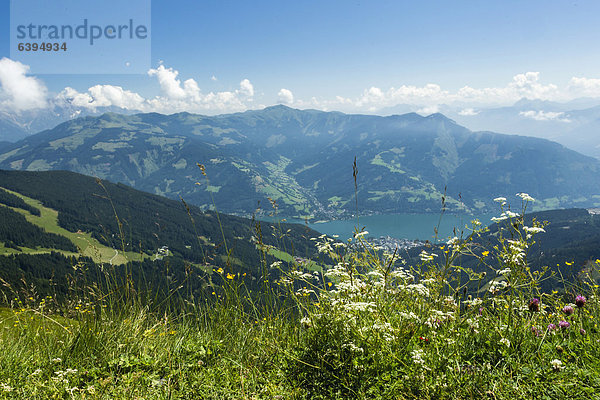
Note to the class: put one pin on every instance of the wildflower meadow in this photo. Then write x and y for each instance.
(356, 323)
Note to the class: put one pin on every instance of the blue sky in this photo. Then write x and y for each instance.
(356, 55)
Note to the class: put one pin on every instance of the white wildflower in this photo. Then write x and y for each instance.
(324, 247)
(359, 234)
(505, 215)
(360, 306)
(533, 229)
(354, 348)
(408, 315)
(401, 274)
(306, 322)
(304, 291)
(473, 324)
(556, 364)
(449, 300)
(525, 197)
(496, 286)
(338, 271)
(501, 200)
(453, 241)
(375, 275)
(425, 256)
(474, 302)
(5, 387)
(351, 288)
(417, 356)
(418, 289)
(505, 342)
(286, 281)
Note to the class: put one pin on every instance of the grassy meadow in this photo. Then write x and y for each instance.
(365, 326)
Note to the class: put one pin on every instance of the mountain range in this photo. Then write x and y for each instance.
(301, 161)
(574, 124)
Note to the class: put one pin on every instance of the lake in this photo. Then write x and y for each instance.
(400, 226)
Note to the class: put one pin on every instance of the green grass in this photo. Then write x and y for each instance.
(90, 247)
(370, 327)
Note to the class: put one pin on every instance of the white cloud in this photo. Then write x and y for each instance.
(246, 88)
(102, 96)
(424, 98)
(213, 78)
(584, 87)
(19, 92)
(175, 96)
(545, 116)
(468, 112)
(285, 96)
(169, 84)
(428, 110)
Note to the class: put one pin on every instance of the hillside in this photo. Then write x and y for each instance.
(66, 214)
(303, 161)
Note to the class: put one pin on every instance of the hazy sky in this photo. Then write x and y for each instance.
(346, 55)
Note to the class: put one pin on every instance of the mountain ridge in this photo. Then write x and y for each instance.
(302, 160)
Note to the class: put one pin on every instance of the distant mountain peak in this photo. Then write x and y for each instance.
(279, 107)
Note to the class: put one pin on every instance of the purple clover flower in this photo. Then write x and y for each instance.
(580, 301)
(534, 305)
(568, 310)
(564, 324)
(552, 327)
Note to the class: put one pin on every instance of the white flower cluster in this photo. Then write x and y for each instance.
(437, 317)
(473, 302)
(532, 230)
(516, 252)
(505, 215)
(473, 324)
(417, 288)
(5, 387)
(556, 364)
(408, 315)
(454, 243)
(337, 272)
(306, 322)
(501, 200)
(63, 376)
(496, 286)
(305, 275)
(353, 348)
(417, 356)
(304, 292)
(384, 329)
(425, 256)
(400, 273)
(360, 306)
(352, 289)
(525, 197)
